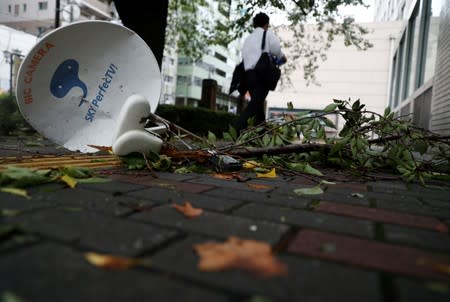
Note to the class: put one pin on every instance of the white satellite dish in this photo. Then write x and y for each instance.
(73, 83)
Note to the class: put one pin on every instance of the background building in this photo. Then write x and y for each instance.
(217, 64)
(347, 73)
(24, 21)
(38, 16)
(420, 78)
(13, 44)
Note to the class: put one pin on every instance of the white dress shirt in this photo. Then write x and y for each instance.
(251, 50)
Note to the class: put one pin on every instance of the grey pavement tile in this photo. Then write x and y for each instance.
(160, 195)
(412, 208)
(112, 187)
(294, 201)
(416, 237)
(214, 224)
(157, 194)
(330, 194)
(95, 231)
(52, 272)
(410, 290)
(307, 279)
(342, 196)
(92, 200)
(178, 177)
(387, 186)
(301, 218)
(223, 183)
(418, 191)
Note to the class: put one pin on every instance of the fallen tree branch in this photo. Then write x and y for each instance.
(295, 148)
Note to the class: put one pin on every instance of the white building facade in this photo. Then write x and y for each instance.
(419, 84)
(347, 73)
(37, 17)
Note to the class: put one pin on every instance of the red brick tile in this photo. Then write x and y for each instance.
(163, 183)
(370, 254)
(380, 215)
(349, 186)
(301, 180)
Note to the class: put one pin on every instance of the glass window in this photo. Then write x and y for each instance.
(42, 5)
(413, 46)
(432, 37)
(9, 9)
(410, 56)
(24, 7)
(428, 40)
(392, 89)
(399, 71)
(16, 9)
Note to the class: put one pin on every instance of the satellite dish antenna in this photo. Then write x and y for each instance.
(74, 82)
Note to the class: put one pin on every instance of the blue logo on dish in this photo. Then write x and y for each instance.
(65, 78)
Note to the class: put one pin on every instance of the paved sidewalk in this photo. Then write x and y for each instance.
(391, 243)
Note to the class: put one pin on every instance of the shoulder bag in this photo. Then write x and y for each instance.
(268, 72)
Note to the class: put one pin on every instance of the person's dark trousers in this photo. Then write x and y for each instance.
(255, 108)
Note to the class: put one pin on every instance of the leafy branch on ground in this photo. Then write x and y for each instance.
(14, 179)
(304, 142)
(368, 142)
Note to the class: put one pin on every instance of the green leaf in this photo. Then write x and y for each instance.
(182, 170)
(21, 177)
(211, 138)
(357, 195)
(77, 172)
(133, 162)
(16, 191)
(266, 140)
(328, 122)
(232, 132)
(326, 182)
(227, 137)
(309, 191)
(421, 146)
(290, 106)
(330, 108)
(8, 296)
(93, 180)
(311, 170)
(9, 212)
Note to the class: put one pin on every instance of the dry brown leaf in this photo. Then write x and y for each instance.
(111, 262)
(102, 148)
(197, 155)
(441, 227)
(223, 176)
(188, 210)
(249, 255)
(258, 186)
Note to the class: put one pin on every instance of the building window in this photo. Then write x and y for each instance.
(24, 6)
(9, 9)
(220, 57)
(16, 9)
(168, 79)
(42, 5)
(433, 21)
(221, 73)
(399, 73)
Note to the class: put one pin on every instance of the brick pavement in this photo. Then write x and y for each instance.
(390, 242)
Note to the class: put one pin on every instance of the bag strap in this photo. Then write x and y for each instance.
(263, 43)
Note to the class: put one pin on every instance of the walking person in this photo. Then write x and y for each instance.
(251, 52)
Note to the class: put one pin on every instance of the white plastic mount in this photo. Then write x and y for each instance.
(130, 133)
